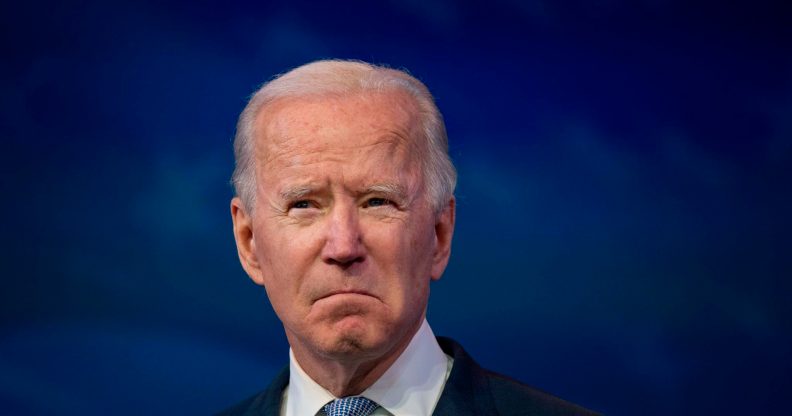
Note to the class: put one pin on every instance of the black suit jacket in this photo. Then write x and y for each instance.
(469, 391)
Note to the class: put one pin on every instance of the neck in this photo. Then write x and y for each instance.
(351, 374)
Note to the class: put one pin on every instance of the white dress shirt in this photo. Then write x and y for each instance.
(410, 387)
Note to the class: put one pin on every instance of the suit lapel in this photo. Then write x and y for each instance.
(268, 403)
(466, 392)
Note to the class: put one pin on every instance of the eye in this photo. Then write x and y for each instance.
(378, 202)
(303, 204)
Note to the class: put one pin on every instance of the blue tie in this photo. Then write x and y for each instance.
(350, 406)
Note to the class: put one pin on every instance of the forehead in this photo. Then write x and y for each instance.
(321, 124)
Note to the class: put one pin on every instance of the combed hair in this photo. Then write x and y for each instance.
(346, 77)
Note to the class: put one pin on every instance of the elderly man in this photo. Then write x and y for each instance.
(344, 213)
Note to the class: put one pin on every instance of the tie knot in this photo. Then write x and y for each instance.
(350, 406)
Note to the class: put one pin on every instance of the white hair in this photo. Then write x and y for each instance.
(342, 77)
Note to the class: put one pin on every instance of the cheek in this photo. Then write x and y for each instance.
(284, 267)
(282, 260)
(285, 244)
(410, 255)
(421, 248)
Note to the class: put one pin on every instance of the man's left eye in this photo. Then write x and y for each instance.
(379, 202)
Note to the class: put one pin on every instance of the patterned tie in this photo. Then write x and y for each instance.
(350, 406)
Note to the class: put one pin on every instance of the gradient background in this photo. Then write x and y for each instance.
(623, 236)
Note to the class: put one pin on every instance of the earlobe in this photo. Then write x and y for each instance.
(245, 240)
(444, 232)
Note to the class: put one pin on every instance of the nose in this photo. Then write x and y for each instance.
(343, 244)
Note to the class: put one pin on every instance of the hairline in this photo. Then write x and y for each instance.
(439, 181)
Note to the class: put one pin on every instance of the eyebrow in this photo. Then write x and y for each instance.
(296, 192)
(386, 188)
(396, 191)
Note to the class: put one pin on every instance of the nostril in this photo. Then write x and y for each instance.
(345, 263)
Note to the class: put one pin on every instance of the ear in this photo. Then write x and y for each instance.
(444, 232)
(246, 240)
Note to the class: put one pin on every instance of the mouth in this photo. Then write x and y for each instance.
(344, 292)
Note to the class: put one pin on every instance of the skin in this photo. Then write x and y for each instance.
(343, 236)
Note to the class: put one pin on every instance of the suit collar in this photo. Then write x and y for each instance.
(467, 389)
(268, 403)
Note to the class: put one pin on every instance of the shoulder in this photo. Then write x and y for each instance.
(509, 395)
(242, 408)
(266, 403)
(473, 387)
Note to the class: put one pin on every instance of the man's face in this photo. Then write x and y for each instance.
(343, 236)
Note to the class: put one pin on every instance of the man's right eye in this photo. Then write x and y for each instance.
(301, 204)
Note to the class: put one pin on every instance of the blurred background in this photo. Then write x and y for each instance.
(623, 236)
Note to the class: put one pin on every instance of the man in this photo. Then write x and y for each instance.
(344, 213)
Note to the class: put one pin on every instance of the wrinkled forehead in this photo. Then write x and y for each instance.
(323, 123)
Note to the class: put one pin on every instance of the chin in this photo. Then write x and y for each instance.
(356, 339)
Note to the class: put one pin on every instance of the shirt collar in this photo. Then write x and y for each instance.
(411, 386)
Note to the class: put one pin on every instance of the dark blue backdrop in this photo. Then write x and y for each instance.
(623, 237)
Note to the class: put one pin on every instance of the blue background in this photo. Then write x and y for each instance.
(623, 235)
